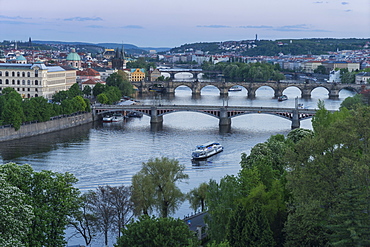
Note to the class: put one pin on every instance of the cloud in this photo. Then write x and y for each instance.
(344, 3)
(262, 26)
(14, 17)
(214, 26)
(95, 26)
(17, 23)
(298, 28)
(133, 27)
(83, 19)
(348, 10)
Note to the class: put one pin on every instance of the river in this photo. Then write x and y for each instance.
(110, 154)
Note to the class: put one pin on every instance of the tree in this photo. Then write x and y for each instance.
(142, 195)
(352, 102)
(87, 90)
(98, 89)
(321, 70)
(11, 110)
(98, 203)
(52, 197)
(120, 81)
(197, 197)
(157, 232)
(16, 215)
(249, 228)
(325, 172)
(162, 175)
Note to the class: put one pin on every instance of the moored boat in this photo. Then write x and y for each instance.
(135, 114)
(117, 117)
(206, 150)
(282, 97)
(235, 88)
(107, 118)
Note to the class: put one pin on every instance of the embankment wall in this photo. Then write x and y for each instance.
(9, 133)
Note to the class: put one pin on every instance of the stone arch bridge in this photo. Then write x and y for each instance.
(278, 87)
(223, 113)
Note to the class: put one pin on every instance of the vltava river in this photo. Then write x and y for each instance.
(109, 154)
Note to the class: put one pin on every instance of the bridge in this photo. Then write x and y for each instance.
(278, 87)
(223, 113)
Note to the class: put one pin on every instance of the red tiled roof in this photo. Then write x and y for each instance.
(93, 81)
(88, 72)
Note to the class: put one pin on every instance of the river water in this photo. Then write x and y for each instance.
(110, 154)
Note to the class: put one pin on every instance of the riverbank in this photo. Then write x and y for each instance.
(57, 123)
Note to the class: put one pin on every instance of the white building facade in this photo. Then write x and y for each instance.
(34, 80)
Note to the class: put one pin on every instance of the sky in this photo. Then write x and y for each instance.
(171, 23)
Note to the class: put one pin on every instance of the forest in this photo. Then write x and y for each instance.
(308, 188)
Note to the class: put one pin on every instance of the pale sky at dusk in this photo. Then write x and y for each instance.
(170, 23)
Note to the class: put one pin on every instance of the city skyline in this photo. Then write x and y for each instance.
(165, 23)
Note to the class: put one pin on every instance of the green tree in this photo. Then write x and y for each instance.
(157, 232)
(249, 228)
(87, 91)
(52, 197)
(162, 174)
(103, 98)
(98, 89)
(319, 171)
(142, 196)
(120, 81)
(16, 215)
(352, 102)
(321, 70)
(197, 197)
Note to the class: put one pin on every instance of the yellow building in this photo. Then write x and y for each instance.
(34, 80)
(137, 74)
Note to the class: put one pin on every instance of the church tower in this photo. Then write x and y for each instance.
(118, 62)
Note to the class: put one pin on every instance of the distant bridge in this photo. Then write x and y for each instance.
(223, 113)
(278, 87)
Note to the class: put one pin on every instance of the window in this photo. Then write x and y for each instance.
(36, 90)
(13, 82)
(24, 74)
(13, 73)
(1, 81)
(1, 73)
(36, 73)
(23, 82)
(28, 74)
(18, 74)
(18, 82)
(28, 89)
(28, 82)
(36, 95)
(6, 73)
(36, 82)
(6, 81)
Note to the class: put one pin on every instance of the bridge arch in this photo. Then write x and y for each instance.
(293, 89)
(261, 89)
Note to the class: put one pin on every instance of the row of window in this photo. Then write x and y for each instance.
(23, 89)
(7, 73)
(18, 82)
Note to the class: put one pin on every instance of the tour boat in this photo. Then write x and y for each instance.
(117, 117)
(107, 118)
(235, 88)
(282, 98)
(206, 150)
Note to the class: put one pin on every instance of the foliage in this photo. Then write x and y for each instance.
(98, 89)
(321, 69)
(16, 215)
(250, 72)
(197, 197)
(160, 174)
(87, 91)
(140, 63)
(352, 102)
(347, 77)
(52, 197)
(157, 232)
(120, 81)
(328, 173)
(298, 134)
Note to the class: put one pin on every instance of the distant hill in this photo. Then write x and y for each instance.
(275, 47)
(129, 48)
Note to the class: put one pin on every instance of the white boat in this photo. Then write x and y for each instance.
(235, 88)
(107, 118)
(282, 98)
(206, 150)
(117, 118)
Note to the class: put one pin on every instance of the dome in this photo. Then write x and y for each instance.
(21, 58)
(73, 56)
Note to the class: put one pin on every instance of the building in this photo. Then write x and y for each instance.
(91, 83)
(154, 75)
(118, 61)
(86, 74)
(362, 77)
(137, 74)
(34, 80)
(310, 66)
(73, 59)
